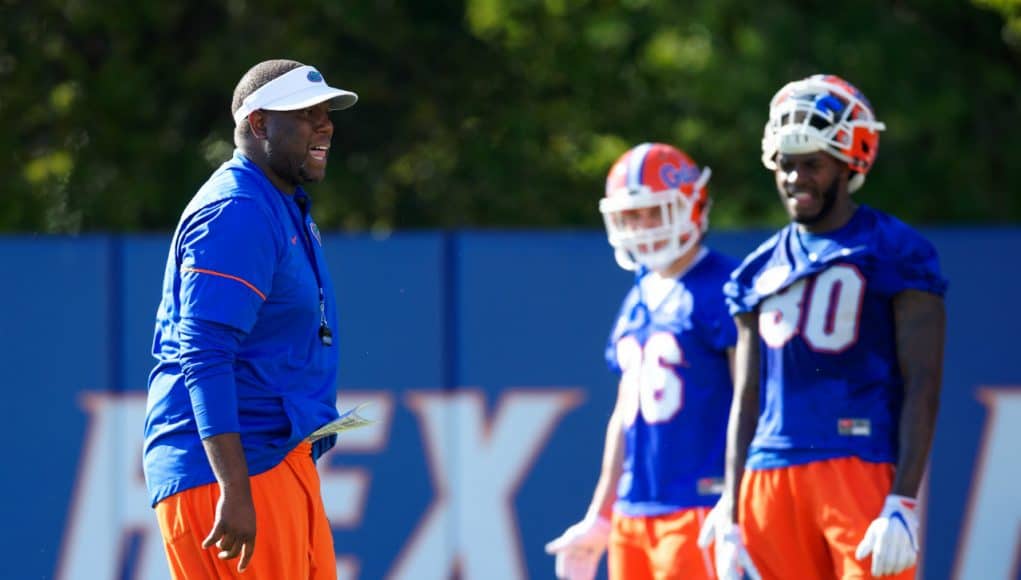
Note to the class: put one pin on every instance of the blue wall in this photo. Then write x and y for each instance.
(444, 333)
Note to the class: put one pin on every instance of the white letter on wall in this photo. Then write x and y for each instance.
(110, 502)
(989, 541)
(476, 468)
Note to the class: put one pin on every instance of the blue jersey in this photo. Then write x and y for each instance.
(675, 390)
(830, 383)
(237, 342)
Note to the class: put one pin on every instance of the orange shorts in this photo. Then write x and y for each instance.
(293, 537)
(660, 547)
(806, 521)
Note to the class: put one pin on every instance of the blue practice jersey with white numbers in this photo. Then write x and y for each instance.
(676, 390)
(830, 383)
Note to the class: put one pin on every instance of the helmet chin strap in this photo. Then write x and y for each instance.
(665, 257)
(661, 260)
(653, 261)
(628, 261)
(624, 260)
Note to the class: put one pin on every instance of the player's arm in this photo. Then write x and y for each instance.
(207, 353)
(234, 530)
(226, 253)
(731, 560)
(744, 409)
(580, 547)
(920, 319)
(892, 538)
(731, 361)
(613, 462)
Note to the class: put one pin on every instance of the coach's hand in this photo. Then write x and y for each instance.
(234, 528)
(579, 549)
(731, 559)
(892, 538)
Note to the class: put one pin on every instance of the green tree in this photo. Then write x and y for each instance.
(498, 112)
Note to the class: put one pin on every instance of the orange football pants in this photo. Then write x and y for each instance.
(659, 547)
(293, 537)
(806, 521)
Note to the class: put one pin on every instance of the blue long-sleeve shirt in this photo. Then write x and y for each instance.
(237, 339)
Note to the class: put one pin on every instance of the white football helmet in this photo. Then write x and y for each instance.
(823, 113)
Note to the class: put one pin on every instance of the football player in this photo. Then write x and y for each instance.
(840, 320)
(672, 345)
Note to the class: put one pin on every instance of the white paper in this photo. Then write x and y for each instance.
(348, 420)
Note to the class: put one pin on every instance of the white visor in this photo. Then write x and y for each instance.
(296, 89)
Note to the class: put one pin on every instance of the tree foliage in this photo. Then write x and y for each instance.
(498, 112)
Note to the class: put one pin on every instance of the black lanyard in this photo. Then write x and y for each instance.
(302, 200)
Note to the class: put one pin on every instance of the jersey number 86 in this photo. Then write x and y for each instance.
(649, 382)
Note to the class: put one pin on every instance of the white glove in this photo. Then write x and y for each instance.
(732, 560)
(892, 538)
(579, 548)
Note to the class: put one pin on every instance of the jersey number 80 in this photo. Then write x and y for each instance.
(826, 310)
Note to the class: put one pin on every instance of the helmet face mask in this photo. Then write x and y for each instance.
(823, 113)
(656, 206)
(655, 246)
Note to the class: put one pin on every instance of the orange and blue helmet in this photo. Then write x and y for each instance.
(655, 175)
(823, 113)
